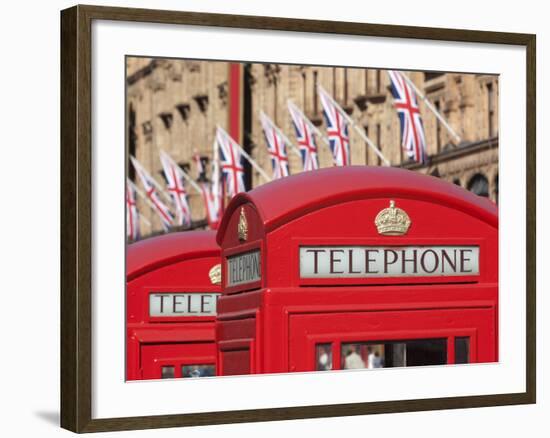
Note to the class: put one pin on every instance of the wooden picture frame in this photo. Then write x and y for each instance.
(76, 217)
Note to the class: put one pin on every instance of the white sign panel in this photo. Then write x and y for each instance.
(182, 304)
(243, 268)
(380, 261)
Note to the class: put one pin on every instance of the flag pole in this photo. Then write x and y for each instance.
(145, 198)
(357, 128)
(248, 157)
(144, 219)
(190, 180)
(183, 173)
(432, 108)
(311, 125)
(281, 133)
(217, 183)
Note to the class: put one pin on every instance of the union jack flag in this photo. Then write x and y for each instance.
(231, 161)
(337, 129)
(211, 204)
(176, 189)
(132, 214)
(215, 196)
(305, 137)
(148, 183)
(276, 146)
(413, 140)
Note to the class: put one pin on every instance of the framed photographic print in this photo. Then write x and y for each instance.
(267, 218)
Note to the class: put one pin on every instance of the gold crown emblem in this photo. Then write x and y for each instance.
(392, 221)
(215, 274)
(242, 228)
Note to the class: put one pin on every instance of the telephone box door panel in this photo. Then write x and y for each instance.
(236, 362)
(382, 339)
(177, 360)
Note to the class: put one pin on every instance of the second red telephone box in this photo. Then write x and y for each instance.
(172, 291)
(357, 267)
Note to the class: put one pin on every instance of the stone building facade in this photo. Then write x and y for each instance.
(176, 105)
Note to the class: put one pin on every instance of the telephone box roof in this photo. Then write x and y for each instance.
(285, 199)
(149, 254)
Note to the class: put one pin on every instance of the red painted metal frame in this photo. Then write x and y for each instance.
(255, 241)
(176, 262)
(246, 248)
(336, 339)
(197, 356)
(337, 207)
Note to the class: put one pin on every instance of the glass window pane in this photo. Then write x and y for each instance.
(388, 354)
(167, 372)
(426, 352)
(354, 356)
(198, 370)
(462, 350)
(395, 354)
(323, 357)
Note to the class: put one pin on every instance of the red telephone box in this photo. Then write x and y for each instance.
(357, 267)
(172, 291)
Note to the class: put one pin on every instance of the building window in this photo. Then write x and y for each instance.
(490, 110)
(456, 182)
(167, 119)
(429, 75)
(479, 185)
(366, 82)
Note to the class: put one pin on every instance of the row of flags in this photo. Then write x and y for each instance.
(175, 193)
(228, 158)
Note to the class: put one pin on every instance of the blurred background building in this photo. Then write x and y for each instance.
(176, 105)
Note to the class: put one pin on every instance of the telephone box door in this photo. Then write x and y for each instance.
(377, 339)
(166, 361)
